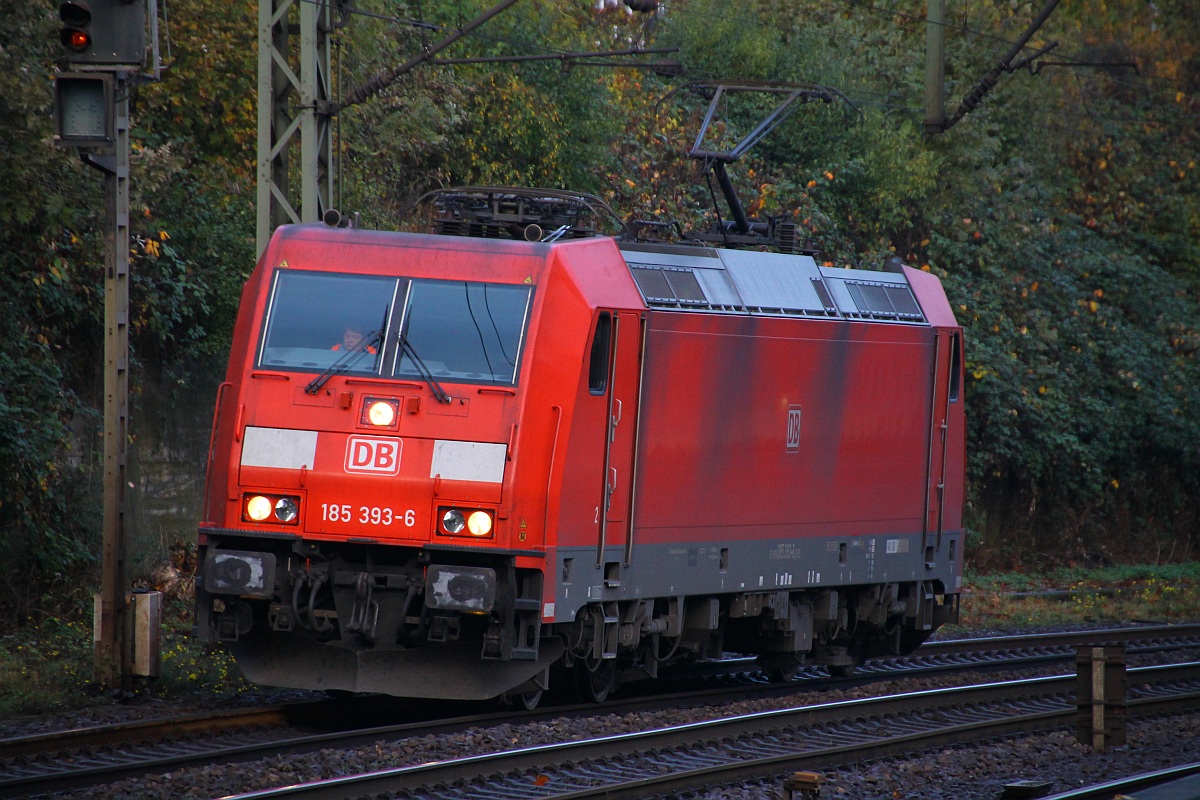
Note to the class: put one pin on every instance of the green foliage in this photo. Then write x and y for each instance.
(717, 45)
(1081, 368)
(193, 183)
(46, 665)
(190, 667)
(1082, 404)
(42, 673)
(48, 286)
(525, 124)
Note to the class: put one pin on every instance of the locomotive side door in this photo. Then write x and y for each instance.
(946, 356)
(620, 441)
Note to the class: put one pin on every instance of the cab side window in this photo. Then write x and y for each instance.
(598, 364)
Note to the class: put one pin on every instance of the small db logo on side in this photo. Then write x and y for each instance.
(376, 456)
(793, 429)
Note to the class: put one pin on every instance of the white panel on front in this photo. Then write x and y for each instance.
(468, 461)
(280, 448)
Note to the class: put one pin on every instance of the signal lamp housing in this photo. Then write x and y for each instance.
(273, 509)
(475, 523)
(103, 32)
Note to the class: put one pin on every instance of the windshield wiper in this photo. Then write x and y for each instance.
(423, 369)
(344, 362)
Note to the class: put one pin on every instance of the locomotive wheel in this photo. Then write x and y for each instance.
(529, 700)
(784, 673)
(595, 685)
(785, 669)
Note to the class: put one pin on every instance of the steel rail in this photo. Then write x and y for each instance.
(928, 718)
(140, 730)
(93, 765)
(1179, 633)
(986, 651)
(1168, 778)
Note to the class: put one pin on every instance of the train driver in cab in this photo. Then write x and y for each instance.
(352, 339)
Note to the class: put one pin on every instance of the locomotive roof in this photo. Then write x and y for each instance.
(708, 279)
(770, 284)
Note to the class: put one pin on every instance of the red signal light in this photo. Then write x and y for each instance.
(76, 40)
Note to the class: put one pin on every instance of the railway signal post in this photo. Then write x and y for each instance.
(103, 44)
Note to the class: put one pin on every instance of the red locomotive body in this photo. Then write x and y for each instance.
(584, 455)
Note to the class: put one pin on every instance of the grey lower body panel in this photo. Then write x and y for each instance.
(735, 566)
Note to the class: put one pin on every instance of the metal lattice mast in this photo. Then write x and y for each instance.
(295, 87)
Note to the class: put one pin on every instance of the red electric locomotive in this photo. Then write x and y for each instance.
(459, 466)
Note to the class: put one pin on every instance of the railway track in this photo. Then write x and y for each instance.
(73, 759)
(996, 652)
(748, 747)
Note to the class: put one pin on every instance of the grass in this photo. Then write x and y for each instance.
(1169, 593)
(47, 667)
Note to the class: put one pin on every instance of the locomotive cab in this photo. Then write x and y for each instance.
(360, 486)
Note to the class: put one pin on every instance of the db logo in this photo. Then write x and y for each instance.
(793, 429)
(376, 456)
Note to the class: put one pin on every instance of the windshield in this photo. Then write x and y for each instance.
(467, 331)
(462, 331)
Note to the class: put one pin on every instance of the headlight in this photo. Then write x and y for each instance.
(258, 508)
(286, 509)
(479, 523)
(380, 412)
(453, 521)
